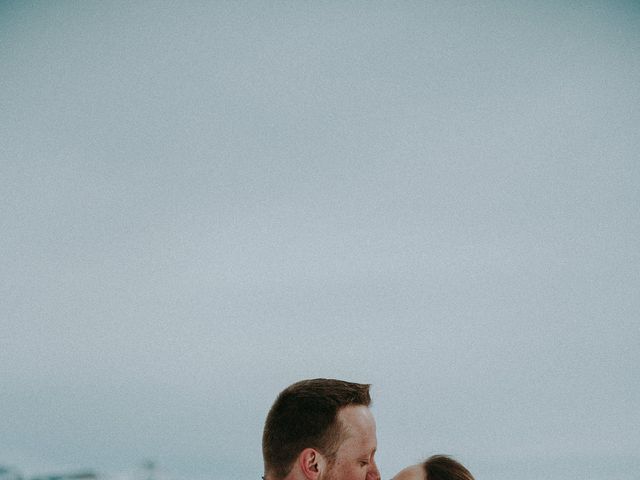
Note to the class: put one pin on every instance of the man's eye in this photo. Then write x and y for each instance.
(363, 464)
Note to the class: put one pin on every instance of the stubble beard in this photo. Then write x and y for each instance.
(330, 473)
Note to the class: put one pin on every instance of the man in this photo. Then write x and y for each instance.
(321, 429)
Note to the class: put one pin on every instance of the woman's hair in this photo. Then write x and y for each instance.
(442, 467)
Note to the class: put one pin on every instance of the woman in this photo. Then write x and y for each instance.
(437, 467)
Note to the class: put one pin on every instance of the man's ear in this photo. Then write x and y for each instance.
(311, 463)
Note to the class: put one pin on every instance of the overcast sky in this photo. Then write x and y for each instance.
(203, 202)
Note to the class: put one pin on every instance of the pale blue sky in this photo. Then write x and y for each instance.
(203, 202)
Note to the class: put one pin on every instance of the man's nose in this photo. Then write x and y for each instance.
(373, 473)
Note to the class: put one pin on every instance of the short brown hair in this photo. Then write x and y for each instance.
(443, 467)
(304, 416)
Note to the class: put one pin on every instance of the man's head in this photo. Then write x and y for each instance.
(321, 429)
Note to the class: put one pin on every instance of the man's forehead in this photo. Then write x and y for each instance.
(357, 423)
(355, 414)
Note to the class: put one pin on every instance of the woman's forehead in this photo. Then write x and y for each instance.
(414, 472)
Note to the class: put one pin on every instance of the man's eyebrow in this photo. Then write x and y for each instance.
(369, 453)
